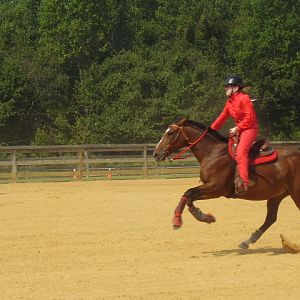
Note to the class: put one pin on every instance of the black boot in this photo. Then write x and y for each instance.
(240, 186)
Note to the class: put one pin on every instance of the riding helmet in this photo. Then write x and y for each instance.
(234, 80)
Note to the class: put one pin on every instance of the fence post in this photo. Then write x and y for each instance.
(14, 169)
(80, 163)
(145, 166)
(87, 168)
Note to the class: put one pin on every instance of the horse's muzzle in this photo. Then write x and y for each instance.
(159, 157)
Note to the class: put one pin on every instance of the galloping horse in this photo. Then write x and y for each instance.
(273, 181)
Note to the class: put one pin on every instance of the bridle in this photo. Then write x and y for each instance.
(190, 144)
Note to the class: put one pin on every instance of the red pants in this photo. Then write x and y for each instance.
(247, 138)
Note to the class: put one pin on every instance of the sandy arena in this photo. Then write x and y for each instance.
(114, 240)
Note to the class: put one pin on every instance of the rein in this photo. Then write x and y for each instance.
(191, 144)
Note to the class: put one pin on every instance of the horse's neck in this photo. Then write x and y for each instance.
(205, 147)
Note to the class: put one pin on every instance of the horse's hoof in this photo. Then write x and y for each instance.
(244, 245)
(209, 218)
(177, 222)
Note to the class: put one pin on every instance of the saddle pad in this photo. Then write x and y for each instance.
(256, 161)
(264, 159)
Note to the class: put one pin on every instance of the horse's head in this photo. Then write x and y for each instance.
(172, 140)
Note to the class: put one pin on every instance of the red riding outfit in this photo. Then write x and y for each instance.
(240, 108)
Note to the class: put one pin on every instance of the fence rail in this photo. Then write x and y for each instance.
(18, 163)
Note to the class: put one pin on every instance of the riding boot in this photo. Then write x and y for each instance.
(240, 186)
(251, 183)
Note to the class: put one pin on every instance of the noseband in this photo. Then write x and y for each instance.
(190, 144)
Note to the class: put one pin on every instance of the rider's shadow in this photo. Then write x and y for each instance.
(238, 251)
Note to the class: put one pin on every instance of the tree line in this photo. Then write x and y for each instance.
(111, 71)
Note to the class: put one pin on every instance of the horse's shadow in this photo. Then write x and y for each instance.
(238, 251)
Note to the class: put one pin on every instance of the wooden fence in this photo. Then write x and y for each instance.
(73, 162)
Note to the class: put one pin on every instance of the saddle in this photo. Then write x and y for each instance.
(261, 148)
(260, 153)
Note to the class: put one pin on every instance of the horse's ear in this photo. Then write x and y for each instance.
(181, 122)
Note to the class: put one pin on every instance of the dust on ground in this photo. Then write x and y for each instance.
(114, 240)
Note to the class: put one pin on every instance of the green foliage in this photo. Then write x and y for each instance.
(265, 44)
(13, 87)
(133, 95)
(87, 71)
(82, 32)
(18, 24)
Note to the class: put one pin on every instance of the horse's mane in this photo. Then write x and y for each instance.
(212, 132)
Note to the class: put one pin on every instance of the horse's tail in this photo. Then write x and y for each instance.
(290, 247)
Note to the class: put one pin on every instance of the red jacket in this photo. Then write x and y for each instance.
(240, 108)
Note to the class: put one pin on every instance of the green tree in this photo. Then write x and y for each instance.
(133, 96)
(83, 32)
(120, 71)
(19, 27)
(265, 43)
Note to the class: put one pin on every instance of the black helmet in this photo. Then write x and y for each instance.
(234, 80)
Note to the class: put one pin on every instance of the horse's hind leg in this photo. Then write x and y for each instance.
(296, 198)
(293, 180)
(272, 206)
(294, 190)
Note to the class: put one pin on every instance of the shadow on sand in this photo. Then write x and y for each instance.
(238, 251)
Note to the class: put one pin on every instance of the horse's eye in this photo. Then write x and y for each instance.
(171, 131)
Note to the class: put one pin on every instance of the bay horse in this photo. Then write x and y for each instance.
(273, 181)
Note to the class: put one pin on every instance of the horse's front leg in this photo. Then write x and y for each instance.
(204, 191)
(177, 220)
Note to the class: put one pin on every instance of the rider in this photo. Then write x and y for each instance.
(240, 108)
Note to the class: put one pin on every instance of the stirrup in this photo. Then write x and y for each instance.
(240, 186)
(251, 183)
(241, 190)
